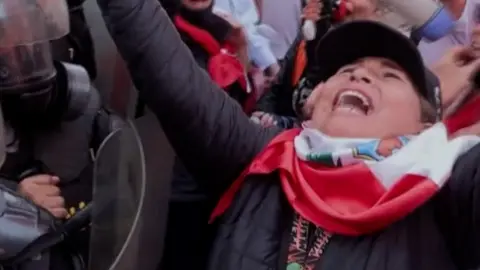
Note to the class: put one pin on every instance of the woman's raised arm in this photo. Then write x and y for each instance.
(208, 130)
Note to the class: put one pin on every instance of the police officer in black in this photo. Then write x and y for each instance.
(53, 122)
(77, 46)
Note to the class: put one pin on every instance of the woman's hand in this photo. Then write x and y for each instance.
(271, 73)
(237, 34)
(455, 70)
(312, 10)
(455, 7)
(260, 82)
(237, 37)
(361, 10)
(264, 119)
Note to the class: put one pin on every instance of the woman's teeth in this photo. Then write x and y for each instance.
(353, 101)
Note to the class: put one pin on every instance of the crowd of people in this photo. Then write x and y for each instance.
(356, 147)
(378, 174)
(287, 97)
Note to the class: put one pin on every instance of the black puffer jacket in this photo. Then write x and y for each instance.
(189, 204)
(217, 141)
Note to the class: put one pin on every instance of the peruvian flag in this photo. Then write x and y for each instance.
(364, 197)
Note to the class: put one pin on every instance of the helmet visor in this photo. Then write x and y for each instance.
(25, 65)
(23, 22)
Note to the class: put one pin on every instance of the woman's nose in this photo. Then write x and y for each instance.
(360, 75)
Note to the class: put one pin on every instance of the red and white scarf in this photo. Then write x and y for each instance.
(223, 66)
(359, 186)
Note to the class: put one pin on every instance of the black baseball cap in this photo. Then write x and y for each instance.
(351, 41)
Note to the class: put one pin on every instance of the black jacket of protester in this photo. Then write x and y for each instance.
(189, 204)
(219, 29)
(217, 141)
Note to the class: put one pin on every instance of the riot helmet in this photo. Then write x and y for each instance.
(26, 27)
(28, 75)
(26, 65)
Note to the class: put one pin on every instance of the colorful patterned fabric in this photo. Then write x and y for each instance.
(306, 245)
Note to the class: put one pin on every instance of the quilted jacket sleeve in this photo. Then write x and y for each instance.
(208, 130)
(458, 211)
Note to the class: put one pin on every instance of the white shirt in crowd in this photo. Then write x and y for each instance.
(460, 35)
(246, 13)
(281, 24)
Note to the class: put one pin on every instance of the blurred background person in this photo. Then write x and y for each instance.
(259, 50)
(275, 107)
(280, 23)
(463, 10)
(218, 44)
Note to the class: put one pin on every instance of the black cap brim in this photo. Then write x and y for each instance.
(352, 41)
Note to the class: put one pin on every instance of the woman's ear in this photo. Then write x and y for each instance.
(311, 100)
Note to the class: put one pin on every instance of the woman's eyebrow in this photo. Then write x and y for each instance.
(392, 65)
(348, 66)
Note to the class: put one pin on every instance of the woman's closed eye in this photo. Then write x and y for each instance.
(346, 70)
(391, 75)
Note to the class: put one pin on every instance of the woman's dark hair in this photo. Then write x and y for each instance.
(427, 111)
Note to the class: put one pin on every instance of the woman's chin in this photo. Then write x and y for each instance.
(348, 126)
(197, 4)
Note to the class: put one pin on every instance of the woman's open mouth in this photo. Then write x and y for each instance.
(353, 101)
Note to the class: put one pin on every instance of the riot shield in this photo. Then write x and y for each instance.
(119, 187)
